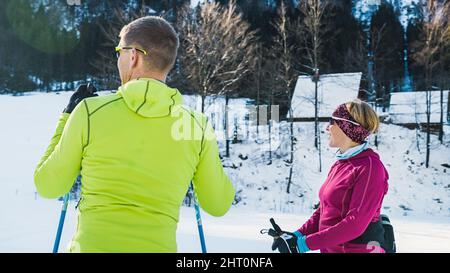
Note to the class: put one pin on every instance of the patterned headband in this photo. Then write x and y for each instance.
(348, 125)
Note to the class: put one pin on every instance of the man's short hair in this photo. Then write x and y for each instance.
(156, 36)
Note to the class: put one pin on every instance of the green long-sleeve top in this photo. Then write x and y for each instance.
(137, 151)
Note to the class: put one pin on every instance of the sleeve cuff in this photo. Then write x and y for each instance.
(301, 242)
(309, 240)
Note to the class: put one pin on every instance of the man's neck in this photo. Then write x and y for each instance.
(148, 74)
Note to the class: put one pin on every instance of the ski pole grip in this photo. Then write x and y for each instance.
(273, 233)
(275, 226)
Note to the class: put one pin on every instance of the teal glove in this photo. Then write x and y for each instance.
(301, 242)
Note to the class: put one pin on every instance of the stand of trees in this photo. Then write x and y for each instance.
(236, 48)
(50, 45)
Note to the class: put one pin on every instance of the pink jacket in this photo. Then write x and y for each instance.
(350, 199)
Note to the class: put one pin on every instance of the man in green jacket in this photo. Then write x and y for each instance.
(137, 151)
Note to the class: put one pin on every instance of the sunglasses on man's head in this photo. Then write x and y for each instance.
(118, 49)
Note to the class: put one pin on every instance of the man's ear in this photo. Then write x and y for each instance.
(134, 58)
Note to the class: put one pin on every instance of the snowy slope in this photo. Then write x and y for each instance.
(414, 190)
(418, 199)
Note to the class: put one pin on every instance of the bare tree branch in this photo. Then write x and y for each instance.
(217, 46)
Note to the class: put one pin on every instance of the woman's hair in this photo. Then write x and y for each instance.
(364, 115)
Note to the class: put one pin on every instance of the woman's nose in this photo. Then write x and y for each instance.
(328, 127)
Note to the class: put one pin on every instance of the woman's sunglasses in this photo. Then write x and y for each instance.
(333, 119)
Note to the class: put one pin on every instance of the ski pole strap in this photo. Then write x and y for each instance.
(269, 232)
(275, 231)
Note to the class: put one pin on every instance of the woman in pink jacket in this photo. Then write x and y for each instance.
(352, 195)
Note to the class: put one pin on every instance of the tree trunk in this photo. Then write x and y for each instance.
(320, 153)
(289, 179)
(203, 97)
(258, 88)
(427, 160)
(292, 140)
(441, 122)
(441, 66)
(227, 137)
(317, 142)
(291, 160)
(270, 127)
(315, 116)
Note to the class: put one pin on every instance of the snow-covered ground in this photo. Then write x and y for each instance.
(418, 200)
(32, 228)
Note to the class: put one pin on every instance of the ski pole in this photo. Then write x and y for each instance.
(61, 222)
(199, 221)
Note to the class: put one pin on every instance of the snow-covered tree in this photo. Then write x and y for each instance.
(285, 72)
(430, 50)
(217, 51)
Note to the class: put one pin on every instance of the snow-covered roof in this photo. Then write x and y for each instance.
(410, 107)
(333, 89)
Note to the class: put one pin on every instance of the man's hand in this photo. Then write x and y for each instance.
(83, 91)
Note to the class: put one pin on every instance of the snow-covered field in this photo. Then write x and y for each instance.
(418, 200)
(32, 228)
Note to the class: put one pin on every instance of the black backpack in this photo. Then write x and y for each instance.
(381, 232)
(389, 239)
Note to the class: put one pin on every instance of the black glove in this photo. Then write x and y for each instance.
(83, 91)
(285, 242)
